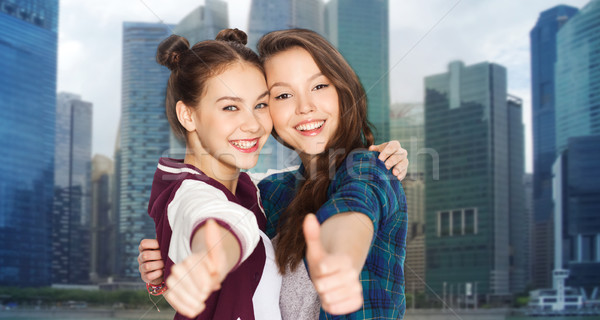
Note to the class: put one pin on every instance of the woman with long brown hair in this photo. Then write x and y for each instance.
(354, 244)
(319, 108)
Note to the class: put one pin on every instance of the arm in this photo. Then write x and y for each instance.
(215, 252)
(336, 253)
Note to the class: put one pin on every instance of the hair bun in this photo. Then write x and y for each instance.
(233, 35)
(170, 50)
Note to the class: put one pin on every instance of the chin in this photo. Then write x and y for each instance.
(247, 164)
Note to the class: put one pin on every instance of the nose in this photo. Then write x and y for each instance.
(305, 105)
(250, 123)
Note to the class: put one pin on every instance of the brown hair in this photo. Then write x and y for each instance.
(192, 67)
(353, 132)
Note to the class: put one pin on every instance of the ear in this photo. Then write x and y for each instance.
(185, 116)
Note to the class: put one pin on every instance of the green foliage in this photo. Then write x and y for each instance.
(129, 299)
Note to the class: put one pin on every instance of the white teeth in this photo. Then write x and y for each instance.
(310, 126)
(244, 144)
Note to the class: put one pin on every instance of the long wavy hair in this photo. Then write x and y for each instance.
(353, 132)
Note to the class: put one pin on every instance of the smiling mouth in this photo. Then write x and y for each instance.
(248, 145)
(310, 126)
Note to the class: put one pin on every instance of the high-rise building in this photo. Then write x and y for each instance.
(144, 134)
(519, 223)
(360, 31)
(204, 23)
(72, 190)
(267, 16)
(543, 57)
(577, 200)
(577, 87)
(118, 263)
(577, 73)
(28, 46)
(407, 126)
(469, 201)
(528, 187)
(103, 222)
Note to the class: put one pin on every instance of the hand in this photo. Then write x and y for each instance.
(193, 280)
(394, 156)
(336, 281)
(150, 262)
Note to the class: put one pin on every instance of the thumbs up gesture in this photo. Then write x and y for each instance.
(333, 275)
(193, 280)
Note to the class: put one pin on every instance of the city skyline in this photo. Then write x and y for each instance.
(424, 37)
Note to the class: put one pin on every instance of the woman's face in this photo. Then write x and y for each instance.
(303, 102)
(232, 120)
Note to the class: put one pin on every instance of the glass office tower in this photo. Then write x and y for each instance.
(543, 57)
(467, 179)
(267, 16)
(72, 206)
(144, 136)
(360, 31)
(577, 87)
(577, 76)
(28, 46)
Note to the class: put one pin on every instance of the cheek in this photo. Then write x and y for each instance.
(266, 123)
(278, 120)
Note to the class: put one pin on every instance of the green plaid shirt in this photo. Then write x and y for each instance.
(361, 184)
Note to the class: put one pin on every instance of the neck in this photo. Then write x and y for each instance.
(226, 175)
(309, 161)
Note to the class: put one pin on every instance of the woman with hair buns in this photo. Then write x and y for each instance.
(219, 264)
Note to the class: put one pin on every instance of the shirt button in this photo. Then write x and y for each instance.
(256, 277)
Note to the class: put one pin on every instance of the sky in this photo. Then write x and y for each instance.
(425, 35)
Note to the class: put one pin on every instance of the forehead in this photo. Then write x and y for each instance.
(236, 80)
(290, 62)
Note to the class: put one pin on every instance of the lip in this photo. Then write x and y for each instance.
(249, 150)
(310, 133)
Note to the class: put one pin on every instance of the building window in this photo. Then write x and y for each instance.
(445, 223)
(457, 222)
(457, 229)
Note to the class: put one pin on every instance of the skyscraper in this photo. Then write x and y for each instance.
(468, 204)
(72, 190)
(360, 31)
(577, 200)
(28, 46)
(407, 126)
(543, 57)
(577, 76)
(267, 16)
(144, 136)
(103, 222)
(577, 87)
(204, 23)
(519, 231)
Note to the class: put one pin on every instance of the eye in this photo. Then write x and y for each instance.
(261, 106)
(230, 108)
(320, 86)
(283, 96)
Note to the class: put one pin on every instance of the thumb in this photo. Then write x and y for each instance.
(373, 148)
(312, 235)
(214, 246)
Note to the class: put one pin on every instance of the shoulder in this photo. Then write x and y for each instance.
(362, 164)
(274, 181)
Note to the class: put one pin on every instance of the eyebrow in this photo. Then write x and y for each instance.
(238, 99)
(285, 84)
